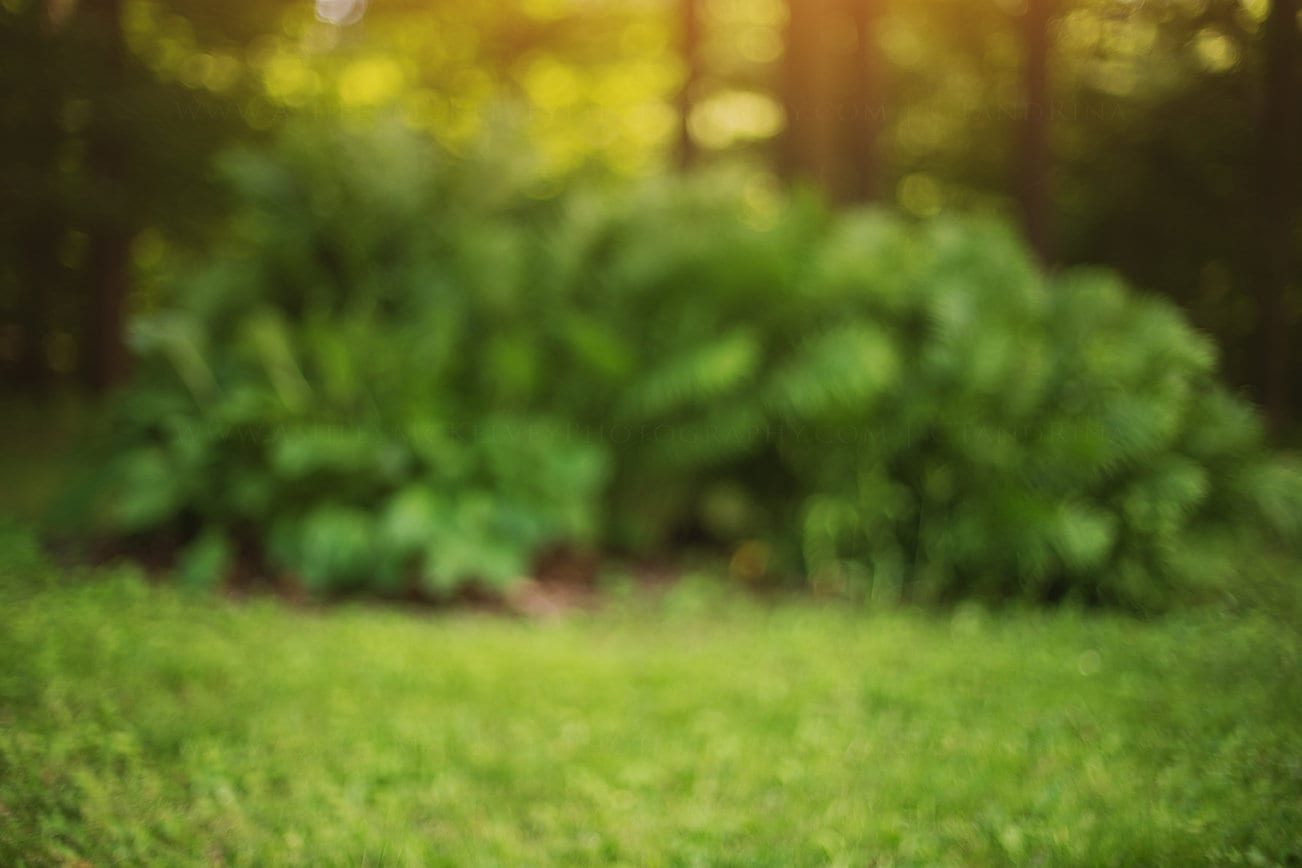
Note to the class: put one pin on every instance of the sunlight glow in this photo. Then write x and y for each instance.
(340, 12)
(733, 116)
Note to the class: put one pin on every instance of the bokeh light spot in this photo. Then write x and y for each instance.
(732, 116)
(920, 194)
(370, 82)
(340, 12)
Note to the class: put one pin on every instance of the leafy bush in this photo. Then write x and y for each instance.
(318, 390)
(405, 368)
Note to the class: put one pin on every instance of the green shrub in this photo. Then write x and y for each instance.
(404, 369)
(318, 391)
(1041, 439)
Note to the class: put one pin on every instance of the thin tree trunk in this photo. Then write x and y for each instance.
(868, 110)
(813, 96)
(792, 146)
(108, 260)
(690, 53)
(1034, 156)
(1281, 150)
(36, 241)
(109, 265)
(37, 261)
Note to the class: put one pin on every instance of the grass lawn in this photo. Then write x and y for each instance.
(142, 725)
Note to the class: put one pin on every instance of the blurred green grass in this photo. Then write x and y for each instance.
(140, 724)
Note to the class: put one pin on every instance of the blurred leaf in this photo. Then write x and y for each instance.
(206, 561)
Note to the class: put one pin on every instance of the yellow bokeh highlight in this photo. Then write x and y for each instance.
(921, 129)
(733, 116)
(1116, 77)
(288, 80)
(194, 69)
(1216, 51)
(550, 84)
(370, 82)
(651, 122)
(902, 44)
(619, 86)
(1255, 10)
(223, 72)
(920, 194)
(770, 13)
(644, 38)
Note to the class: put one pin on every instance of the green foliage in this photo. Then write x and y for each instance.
(206, 561)
(403, 368)
(340, 390)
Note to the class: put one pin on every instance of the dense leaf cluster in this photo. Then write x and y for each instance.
(403, 368)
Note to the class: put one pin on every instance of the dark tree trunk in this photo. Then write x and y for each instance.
(108, 259)
(792, 145)
(689, 36)
(813, 98)
(1281, 150)
(1034, 194)
(37, 266)
(868, 109)
(36, 234)
(110, 268)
